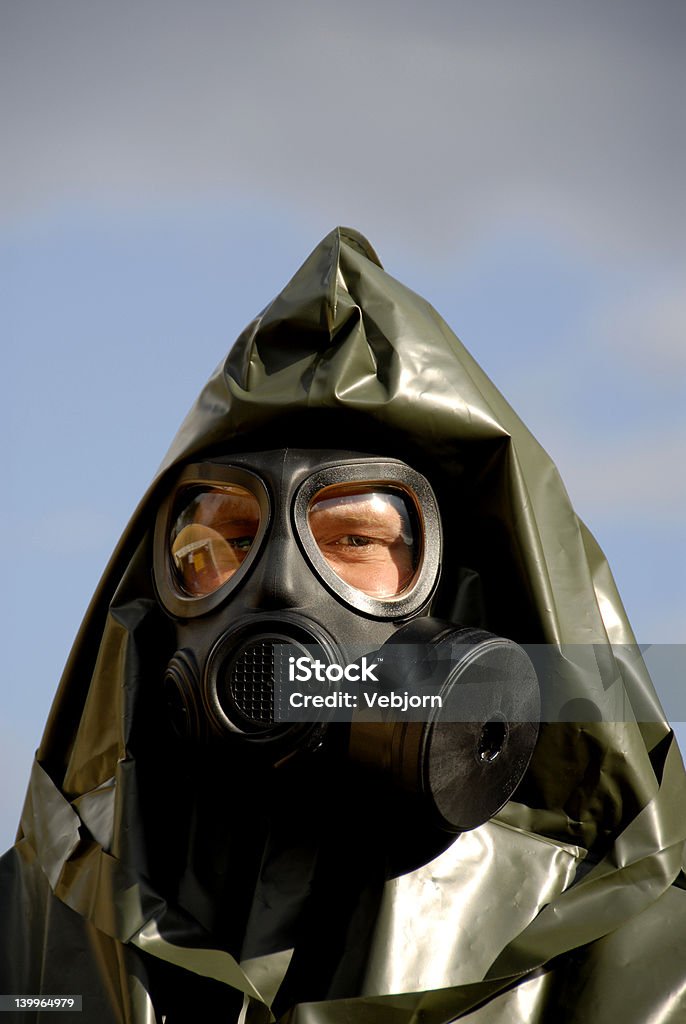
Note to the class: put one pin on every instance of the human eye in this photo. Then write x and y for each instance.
(240, 543)
(212, 535)
(355, 540)
(365, 534)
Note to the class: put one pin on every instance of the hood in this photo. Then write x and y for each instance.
(346, 354)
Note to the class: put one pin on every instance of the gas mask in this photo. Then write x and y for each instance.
(334, 557)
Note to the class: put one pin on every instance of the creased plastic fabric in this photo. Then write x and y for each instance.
(139, 882)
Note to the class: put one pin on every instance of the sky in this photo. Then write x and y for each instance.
(168, 166)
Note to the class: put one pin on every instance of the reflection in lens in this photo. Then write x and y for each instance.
(367, 533)
(211, 536)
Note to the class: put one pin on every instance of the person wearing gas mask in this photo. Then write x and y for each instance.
(350, 489)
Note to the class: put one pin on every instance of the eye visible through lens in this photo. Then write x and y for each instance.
(211, 536)
(369, 536)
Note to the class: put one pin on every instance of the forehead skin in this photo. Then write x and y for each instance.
(218, 507)
(377, 513)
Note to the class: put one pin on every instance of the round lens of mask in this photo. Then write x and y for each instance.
(213, 530)
(368, 533)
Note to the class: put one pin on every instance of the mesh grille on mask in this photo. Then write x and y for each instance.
(247, 676)
(252, 682)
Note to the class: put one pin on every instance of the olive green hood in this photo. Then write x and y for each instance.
(534, 912)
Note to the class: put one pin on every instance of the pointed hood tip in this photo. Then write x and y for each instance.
(356, 240)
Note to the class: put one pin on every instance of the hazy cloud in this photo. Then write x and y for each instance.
(451, 116)
(65, 532)
(639, 481)
(649, 331)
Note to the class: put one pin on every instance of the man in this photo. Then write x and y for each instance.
(185, 855)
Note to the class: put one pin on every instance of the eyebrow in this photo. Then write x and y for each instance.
(352, 512)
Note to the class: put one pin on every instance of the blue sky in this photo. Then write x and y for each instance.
(168, 168)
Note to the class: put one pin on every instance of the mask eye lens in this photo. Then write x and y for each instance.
(212, 534)
(369, 535)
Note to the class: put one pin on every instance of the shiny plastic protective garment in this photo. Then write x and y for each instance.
(159, 885)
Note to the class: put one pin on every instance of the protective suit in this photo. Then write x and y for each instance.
(162, 879)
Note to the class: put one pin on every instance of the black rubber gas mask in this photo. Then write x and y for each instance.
(334, 557)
